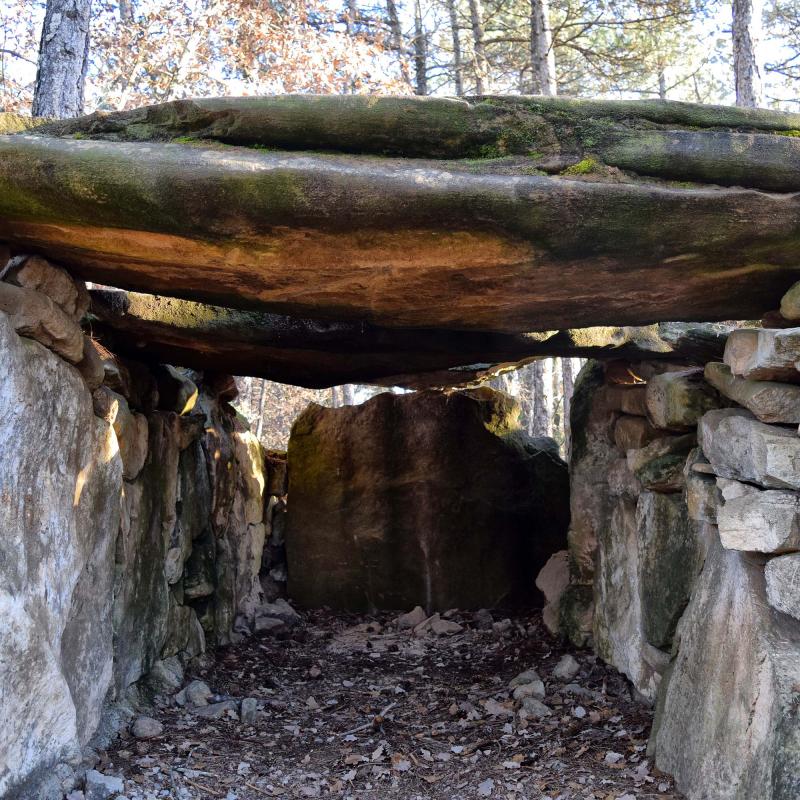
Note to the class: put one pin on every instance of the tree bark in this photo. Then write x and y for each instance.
(397, 38)
(568, 381)
(746, 67)
(420, 52)
(539, 400)
(543, 62)
(261, 402)
(63, 59)
(126, 10)
(479, 48)
(458, 68)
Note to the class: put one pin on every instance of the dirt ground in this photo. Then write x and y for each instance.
(353, 707)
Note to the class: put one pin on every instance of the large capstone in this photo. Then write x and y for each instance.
(432, 498)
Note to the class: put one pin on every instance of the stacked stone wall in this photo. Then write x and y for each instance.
(133, 520)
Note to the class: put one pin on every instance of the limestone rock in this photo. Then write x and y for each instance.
(790, 303)
(592, 453)
(622, 482)
(225, 708)
(763, 521)
(38, 274)
(769, 401)
(670, 557)
(102, 787)
(702, 497)
(412, 618)
(146, 728)
(131, 429)
(393, 501)
(524, 678)
(91, 365)
(740, 447)
(533, 708)
(532, 689)
(62, 477)
(659, 465)
(566, 669)
(627, 399)
(783, 581)
(677, 400)
(727, 722)
(764, 354)
(632, 433)
(552, 580)
(249, 710)
(36, 316)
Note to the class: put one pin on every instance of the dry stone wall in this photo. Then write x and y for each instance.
(133, 519)
(685, 574)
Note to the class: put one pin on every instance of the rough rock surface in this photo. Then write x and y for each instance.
(742, 448)
(764, 354)
(769, 401)
(783, 582)
(677, 400)
(727, 725)
(315, 352)
(59, 516)
(436, 499)
(762, 521)
(456, 221)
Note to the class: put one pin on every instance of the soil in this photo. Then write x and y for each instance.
(353, 707)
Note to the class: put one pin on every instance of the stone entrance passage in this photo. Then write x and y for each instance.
(185, 615)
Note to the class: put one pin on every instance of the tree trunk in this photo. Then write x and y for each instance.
(481, 63)
(539, 400)
(397, 38)
(543, 63)
(458, 69)
(558, 403)
(420, 52)
(63, 59)
(261, 401)
(746, 34)
(126, 10)
(569, 386)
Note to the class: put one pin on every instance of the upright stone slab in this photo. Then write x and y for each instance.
(433, 499)
(59, 516)
(728, 725)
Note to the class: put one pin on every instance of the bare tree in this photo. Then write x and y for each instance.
(568, 379)
(396, 33)
(63, 59)
(479, 48)
(543, 61)
(458, 67)
(126, 10)
(746, 69)
(420, 52)
(539, 400)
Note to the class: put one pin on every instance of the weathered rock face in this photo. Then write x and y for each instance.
(59, 515)
(433, 499)
(742, 448)
(727, 725)
(112, 499)
(320, 353)
(457, 223)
